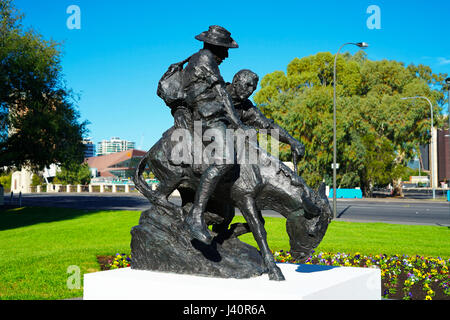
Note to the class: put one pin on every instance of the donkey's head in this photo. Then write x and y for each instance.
(306, 226)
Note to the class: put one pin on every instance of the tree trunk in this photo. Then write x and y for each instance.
(397, 188)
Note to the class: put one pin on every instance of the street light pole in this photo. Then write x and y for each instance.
(362, 45)
(432, 151)
(447, 81)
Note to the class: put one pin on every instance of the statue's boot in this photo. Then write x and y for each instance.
(195, 221)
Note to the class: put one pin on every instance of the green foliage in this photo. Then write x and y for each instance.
(38, 122)
(408, 172)
(377, 132)
(73, 174)
(37, 180)
(5, 181)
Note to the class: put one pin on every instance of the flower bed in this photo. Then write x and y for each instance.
(402, 277)
(120, 260)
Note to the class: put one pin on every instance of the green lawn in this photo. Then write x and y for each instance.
(366, 238)
(37, 245)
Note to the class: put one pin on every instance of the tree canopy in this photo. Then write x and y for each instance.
(377, 132)
(39, 124)
(73, 174)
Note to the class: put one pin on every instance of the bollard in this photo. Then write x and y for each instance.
(20, 199)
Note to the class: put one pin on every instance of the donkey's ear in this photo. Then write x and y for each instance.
(322, 190)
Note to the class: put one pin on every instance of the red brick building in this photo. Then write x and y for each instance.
(121, 164)
(443, 155)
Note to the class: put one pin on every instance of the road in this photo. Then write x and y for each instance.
(401, 211)
(425, 212)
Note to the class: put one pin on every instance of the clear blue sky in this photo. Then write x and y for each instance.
(123, 47)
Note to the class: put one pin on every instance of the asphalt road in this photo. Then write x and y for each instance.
(401, 211)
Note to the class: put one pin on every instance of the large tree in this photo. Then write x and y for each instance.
(74, 174)
(377, 132)
(39, 124)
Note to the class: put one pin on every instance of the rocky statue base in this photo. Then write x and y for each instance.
(161, 243)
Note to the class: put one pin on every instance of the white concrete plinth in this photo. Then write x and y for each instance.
(303, 282)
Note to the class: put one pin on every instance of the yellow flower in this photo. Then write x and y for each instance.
(430, 292)
(428, 298)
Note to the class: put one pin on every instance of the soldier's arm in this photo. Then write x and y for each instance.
(208, 71)
(225, 98)
(255, 118)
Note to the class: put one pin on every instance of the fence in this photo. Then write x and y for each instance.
(91, 188)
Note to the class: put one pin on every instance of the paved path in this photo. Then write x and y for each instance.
(403, 211)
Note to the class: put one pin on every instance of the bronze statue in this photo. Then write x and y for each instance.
(174, 238)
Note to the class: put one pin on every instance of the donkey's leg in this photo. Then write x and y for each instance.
(161, 195)
(256, 224)
(238, 229)
(165, 190)
(224, 210)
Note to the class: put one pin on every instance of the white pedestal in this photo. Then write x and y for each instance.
(303, 282)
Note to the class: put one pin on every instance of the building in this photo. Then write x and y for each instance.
(113, 145)
(117, 165)
(21, 181)
(443, 155)
(89, 148)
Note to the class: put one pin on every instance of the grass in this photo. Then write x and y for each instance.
(367, 238)
(37, 245)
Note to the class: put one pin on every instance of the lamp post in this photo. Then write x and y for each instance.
(432, 151)
(447, 81)
(362, 45)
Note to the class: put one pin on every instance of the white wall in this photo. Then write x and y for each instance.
(21, 181)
